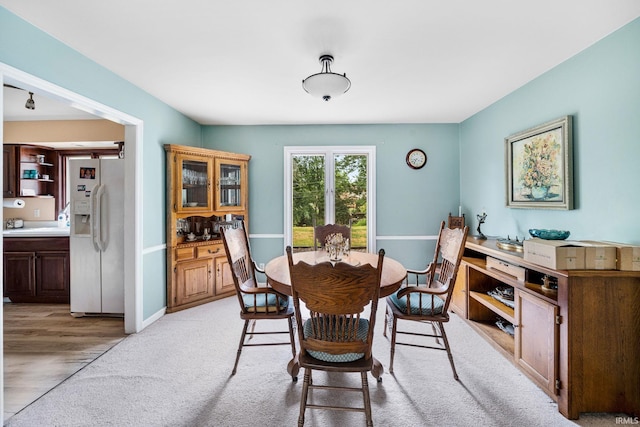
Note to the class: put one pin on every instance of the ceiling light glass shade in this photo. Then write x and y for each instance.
(325, 84)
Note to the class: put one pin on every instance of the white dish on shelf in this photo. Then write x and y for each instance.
(192, 204)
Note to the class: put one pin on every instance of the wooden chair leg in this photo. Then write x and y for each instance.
(446, 346)
(435, 333)
(303, 398)
(367, 399)
(252, 322)
(244, 333)
(292, 337)
(394, 325)
(386, 322)
(293, 371)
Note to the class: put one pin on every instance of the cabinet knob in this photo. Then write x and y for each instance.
(213, 252)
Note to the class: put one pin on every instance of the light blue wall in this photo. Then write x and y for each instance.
(600, 88)
(409, 202)
(24, 47)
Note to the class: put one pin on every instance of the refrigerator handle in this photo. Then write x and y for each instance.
(97, 223)
(92, 217)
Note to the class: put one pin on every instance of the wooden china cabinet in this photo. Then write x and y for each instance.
(206, 190)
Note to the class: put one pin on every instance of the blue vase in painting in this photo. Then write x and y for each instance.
(539, 193)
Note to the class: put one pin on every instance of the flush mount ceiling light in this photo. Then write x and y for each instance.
(325, 84)
(30, 104)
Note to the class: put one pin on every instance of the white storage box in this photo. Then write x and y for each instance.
(555, 254)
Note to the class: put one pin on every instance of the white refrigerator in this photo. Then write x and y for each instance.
(96, 237)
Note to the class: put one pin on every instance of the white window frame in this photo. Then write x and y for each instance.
(329, 152)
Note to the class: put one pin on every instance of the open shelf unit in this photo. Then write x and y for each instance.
(573, 343)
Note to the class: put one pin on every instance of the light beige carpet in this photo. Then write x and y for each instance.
(177, 373)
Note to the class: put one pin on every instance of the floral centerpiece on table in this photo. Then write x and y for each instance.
(539, 171)
(336, 245)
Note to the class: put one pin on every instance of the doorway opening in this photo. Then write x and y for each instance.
(133, 321)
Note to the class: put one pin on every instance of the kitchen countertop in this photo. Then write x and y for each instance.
(37, 229)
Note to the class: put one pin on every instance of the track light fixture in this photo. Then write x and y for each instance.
(325, 84)
(30, 104)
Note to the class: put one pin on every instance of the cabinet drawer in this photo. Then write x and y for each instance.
(209, 251)
(504, 267)
(184, 253)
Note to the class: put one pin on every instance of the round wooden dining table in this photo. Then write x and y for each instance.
(393, 274)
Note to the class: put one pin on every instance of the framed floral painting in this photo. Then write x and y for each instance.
(539, 166)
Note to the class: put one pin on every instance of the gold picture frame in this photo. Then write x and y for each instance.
(539, 166)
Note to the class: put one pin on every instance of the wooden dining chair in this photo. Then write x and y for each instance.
(258, 301)
(337, 337)
(321, 232)
(455, 221)
(429, 302)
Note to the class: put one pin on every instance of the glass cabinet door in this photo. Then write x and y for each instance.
(194, 183)
(230, 182)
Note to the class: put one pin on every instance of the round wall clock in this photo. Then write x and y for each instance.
(416, 158)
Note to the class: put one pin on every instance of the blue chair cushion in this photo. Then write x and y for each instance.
(361, 333)
(264, 302)
(416, 307)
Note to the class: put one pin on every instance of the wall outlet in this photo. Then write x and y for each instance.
(36, 213)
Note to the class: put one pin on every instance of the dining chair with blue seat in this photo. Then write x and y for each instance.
(338, 334)
(258, 301)
(429, 302)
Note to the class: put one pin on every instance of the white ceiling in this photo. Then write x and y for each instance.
(409, 61)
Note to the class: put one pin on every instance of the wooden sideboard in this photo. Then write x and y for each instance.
(581, 345)
(204, 187)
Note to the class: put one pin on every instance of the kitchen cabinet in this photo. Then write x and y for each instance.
(197, 268)
(574, 343)
(29, 171)
(9, 183)
(36, 270)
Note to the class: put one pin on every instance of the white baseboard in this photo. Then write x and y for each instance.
(157, 315)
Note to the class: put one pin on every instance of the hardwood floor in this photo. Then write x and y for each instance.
(44, 345)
